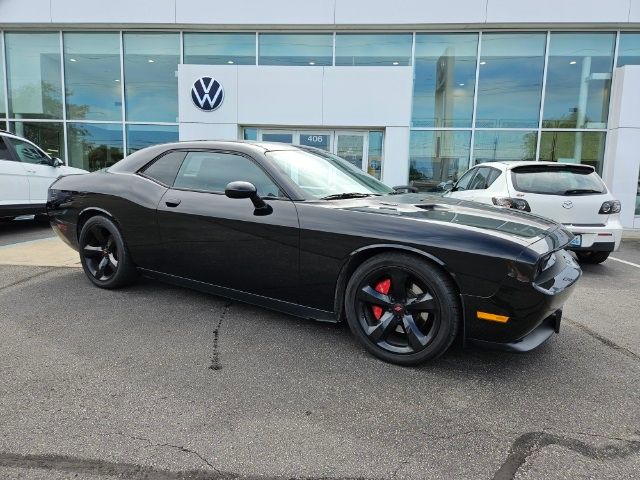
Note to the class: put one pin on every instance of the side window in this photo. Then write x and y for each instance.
(480, 181)
(28, 153)
(165, 168)
(4, 151)
(494, 173)
(464, 181)
(212, 171)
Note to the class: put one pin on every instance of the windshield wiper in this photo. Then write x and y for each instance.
(339, 196)
(578, 191)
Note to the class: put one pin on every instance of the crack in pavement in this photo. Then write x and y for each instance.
(529, 443)
(603, 340)
(215, 357)
(178, 447)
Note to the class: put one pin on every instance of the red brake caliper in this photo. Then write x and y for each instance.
(383, 288)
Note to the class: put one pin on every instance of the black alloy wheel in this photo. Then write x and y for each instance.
(103, 254)
(403, 309)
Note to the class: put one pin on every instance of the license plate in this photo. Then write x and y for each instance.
(576, 242)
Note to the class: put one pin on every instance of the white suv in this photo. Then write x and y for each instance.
(571, 194)
(25, 175)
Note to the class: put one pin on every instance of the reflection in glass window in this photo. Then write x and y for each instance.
(374, 158)
(573, 147)
(296, 49)
(629, 49)
(250, 134)
(92, 76)
(151, 86)
(501, 145)
(578, 80)
(49, 136)
(510, 80)
(220, 48)
(373, 49)
(34, 78)
(277, 137)
(438, 157)
(444, 79)
(142, 136)
(93, 146)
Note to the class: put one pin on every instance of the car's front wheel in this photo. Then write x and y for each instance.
(104, 255)
(592, 257)
(402, 309)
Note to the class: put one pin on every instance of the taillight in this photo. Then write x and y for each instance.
(515, 203)
(610, 206)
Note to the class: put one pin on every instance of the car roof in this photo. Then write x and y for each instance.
(511, 164)
(138, 159)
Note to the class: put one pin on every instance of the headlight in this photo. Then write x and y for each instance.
(610, 206)
(516, 203)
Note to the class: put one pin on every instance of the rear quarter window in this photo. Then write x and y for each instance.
(553, 180)
(165, 168)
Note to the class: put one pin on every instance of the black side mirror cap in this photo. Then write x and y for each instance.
(245, 190)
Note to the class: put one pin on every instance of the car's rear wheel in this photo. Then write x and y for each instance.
(104, 255)
(402, 309)
(592, 257)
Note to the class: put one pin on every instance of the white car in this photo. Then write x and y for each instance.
(571, 194)
(25, 175)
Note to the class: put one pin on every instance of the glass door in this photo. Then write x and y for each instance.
(351, 147)
(316, 139)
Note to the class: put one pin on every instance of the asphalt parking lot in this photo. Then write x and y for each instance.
(155, 381)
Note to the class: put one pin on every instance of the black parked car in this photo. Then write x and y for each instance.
(304, 232)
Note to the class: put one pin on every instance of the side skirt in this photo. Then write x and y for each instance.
(18, 210)
(251, 298)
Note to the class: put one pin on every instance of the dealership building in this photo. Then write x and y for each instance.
(409, 90)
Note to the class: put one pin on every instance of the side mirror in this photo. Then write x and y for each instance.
(448, 187)
(57, 162)
(245, 190)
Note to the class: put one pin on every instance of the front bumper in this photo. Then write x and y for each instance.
(533, 308)
(598, 238)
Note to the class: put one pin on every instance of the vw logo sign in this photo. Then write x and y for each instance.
(567, 204)
(207, 94)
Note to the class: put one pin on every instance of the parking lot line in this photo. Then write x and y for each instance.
(625, 262)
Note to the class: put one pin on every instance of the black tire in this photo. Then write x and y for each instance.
(104, 255)
(592, 257)
(418, 319)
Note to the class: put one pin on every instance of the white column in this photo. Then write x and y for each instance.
(395, 165)
(622, 157)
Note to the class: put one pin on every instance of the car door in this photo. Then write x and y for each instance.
(39, 170)
(14, 186)
(211, 238)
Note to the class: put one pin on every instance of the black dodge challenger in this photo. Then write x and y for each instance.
(304, 232)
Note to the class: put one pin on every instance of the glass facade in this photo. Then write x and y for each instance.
(93, 87)
(220, 48)
(90, 97)
(578, 80)
(150, 64)
(142, 136)
(444, 80)
(93, 146)
(510, 80)
(34, 75)
(296, 49)
(373, 49)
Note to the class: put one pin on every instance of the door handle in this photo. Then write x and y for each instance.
(31, 171)
(172, 202)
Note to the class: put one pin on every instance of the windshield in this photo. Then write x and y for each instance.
(557, 180)
(321, 174)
